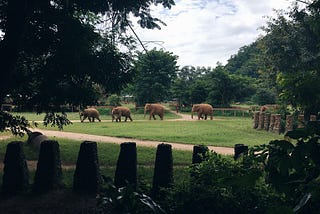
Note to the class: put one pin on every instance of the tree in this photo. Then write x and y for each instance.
(293, 49)
(223, 88)
(156, 70)
(52, 52)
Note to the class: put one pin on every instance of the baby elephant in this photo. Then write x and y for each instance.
(91, 114)
(117, 112)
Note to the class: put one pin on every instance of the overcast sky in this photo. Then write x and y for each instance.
(204, 32)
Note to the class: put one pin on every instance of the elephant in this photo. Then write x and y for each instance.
(154, 109)
(117, 112)
(91, 114)
(202, 109)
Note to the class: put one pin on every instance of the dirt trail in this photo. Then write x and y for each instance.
(147, 143)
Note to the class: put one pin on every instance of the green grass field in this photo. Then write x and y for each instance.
(222, 131)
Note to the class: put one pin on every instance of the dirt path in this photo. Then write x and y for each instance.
(118, 140)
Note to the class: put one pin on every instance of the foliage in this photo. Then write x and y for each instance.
(224, 88)
(125, 200)
(292, 47)
(156, 70)
(55, 52)
(17, 124)
(264, 96)
(114, 100)
(293, 168)
(222, 185)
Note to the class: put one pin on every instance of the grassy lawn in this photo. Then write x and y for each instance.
(224, 131)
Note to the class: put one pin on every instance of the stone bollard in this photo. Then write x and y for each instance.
(87, 177)
(199, 153)
(289, 123)
(35, 139)
(15, 173)
(163, 170)
(301, 121)
(313, 117)
(261, 120)
(126, 170)
(271, 125)
(239, 149)
(256, 119)
(277, 123)
(49, 172)
(267, 121)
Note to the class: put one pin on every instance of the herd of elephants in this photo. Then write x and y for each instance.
(203, 110)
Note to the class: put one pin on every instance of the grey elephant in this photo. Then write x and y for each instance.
(203, 110)
(91, 114)
(154, 109)
(119, 112)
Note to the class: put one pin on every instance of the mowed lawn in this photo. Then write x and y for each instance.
(222, 131)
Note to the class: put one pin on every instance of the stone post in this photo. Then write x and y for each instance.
(289, 123)
(256, 119)
(261, 120)
(271, 125)
(277, 123)
(267, 121)
(301, 121)
(313, 117)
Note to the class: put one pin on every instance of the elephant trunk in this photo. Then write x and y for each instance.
(191, 114)
(145, 111)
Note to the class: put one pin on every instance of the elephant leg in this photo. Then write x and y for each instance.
(154, 117)
(84, 117)
(211, 117)
(199, 115)
(205, 116)
(125, 120)
(93, 119)
(161, 116)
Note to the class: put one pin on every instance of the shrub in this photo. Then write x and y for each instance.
(222, 185)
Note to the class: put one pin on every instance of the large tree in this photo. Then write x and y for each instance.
(156, 70)
(52, 52)
(292, 45)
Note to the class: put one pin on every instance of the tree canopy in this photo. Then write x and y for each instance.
(55, 52)
(156, 71)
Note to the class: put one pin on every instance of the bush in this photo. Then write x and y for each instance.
(114, 100)
(222, 185)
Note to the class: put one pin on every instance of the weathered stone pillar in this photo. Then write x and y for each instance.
(277, 123)
(261, 120)
(313, 117)
(199, 153)
(271, 125)
(267, 121)
(301, 121)
(256, 119)
(289, 123)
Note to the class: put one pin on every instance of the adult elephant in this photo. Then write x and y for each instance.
(119, 112)
(154, 109)
(91, 114)
(202, 110)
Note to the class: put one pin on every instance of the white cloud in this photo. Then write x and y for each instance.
(203, 32)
